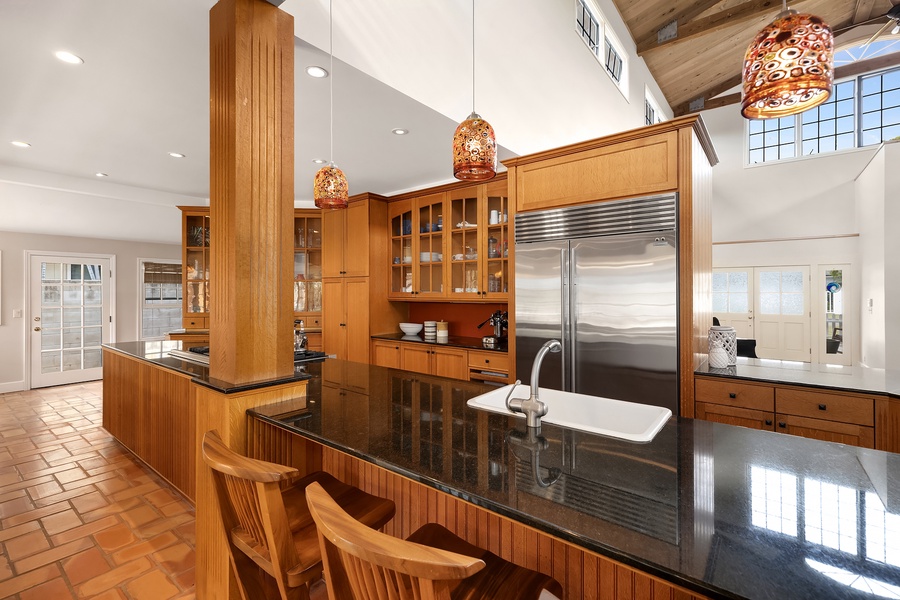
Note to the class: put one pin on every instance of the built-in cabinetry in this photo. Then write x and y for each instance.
(451, 244)
(308, 260)
(355, 303)
(833, 416)
(195, 266)
(674, 156)
(446, 361)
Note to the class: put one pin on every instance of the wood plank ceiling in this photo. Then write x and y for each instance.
(704, 58)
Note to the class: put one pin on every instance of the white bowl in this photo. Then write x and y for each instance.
(411, 328)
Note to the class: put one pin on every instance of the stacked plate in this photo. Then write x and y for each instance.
(430, 331)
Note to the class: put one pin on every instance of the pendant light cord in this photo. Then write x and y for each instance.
(473, 56)
(331, 80)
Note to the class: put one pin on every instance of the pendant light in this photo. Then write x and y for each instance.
(330, 188)
(789, 67)
(474, 143)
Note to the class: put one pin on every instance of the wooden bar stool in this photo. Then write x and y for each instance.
(431, 564)
(267, 521)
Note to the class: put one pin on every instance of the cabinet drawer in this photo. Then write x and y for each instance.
(732, 393)
(828, 431)
(824, 405)
(731, 415)
(195, 323)
(492, 361)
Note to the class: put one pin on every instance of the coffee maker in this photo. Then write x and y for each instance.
(499, 322)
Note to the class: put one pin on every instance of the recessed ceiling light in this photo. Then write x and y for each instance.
(176, 154)
(20, 144)
(69, 58)
(316, 71)
(101, 174)
(319, 161)
(399, 131)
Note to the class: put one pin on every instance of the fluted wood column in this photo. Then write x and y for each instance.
(251, 191)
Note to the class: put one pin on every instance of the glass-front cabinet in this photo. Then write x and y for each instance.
(195, 260)
(452, 245)
(308, 266)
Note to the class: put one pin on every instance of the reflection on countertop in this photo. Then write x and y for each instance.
(726, 511)
(837, 377)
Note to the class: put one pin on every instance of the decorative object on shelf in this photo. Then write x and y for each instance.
(789, 66)
(474, 142)
(410, 328)
(726, 337)
(330, 187)
(718, 358)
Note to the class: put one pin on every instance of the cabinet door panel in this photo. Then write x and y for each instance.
(355, 245)
(332, 243)
(733, 393)
(415, 357)
(333, 331)
(356, 319)
(451, 362)
(742, 417)
(829, 431)
(823, 405)
(386, 354)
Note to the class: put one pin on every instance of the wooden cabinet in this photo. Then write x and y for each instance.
(308, 266)
(386, 353)
(434, 360)
(346, 327)
(346, 235)
(488, 366)
(452, 244)
(195, 266)
(846, 418)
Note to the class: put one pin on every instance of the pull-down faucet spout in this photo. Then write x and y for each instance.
(533, 408)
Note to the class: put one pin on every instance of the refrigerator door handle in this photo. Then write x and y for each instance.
(568, 365)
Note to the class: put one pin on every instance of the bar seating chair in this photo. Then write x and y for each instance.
(271, 536)
(431, 564)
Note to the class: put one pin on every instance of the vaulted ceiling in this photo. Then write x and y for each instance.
(695, 48)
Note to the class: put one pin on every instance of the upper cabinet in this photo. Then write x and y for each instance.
(347, 234)
(308, 259)
(451, 245)
(195, 266)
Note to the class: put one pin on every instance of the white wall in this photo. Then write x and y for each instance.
(12, 293)
(891, 222)
(870, 214)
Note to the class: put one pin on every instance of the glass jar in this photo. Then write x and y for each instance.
(493, 250)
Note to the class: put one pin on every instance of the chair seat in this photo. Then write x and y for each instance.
(370, 510)
(498, 580)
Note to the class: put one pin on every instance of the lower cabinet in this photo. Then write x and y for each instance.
(435, 360)
(346, 317)
(386, 353)
(831, 416)
(446, 361)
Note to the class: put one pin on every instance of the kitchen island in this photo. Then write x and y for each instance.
(704, 509)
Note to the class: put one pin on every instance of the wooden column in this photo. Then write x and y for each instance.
(251, 191)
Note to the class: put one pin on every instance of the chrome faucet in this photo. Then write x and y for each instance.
(533, 408)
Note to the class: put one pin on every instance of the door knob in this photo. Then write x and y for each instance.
(37, 318)
(37, 328)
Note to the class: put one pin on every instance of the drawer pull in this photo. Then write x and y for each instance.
(732, 395)
(821, 407)
(768, 421)
(782, 424)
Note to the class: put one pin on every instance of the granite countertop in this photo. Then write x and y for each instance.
(157, 352)
(834, 377)
(728, 512)
(456, 341)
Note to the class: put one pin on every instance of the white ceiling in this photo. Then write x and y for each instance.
(143, 91)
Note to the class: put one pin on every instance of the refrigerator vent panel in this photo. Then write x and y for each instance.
(636, 215)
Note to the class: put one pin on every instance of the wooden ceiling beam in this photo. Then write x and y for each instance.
(863, 11)
(712, 23)
(852, 70)
(690, 12)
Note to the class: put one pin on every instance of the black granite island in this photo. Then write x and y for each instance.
(714, 510)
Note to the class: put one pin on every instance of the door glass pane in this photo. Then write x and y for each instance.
(792, 281)
(50, 339)
(770, 281)
(770, 304)
(50, 362)
(92, 358)
(93, 316)
(51, 294)
(738, 303)
(737, 281)
(71, 360)
(73, 273)
(720, 282)
(834, 311)
(72, 295)
(50, 317)
(93, 295)
(71, 317)
(72, 338)
(51, 272)
(720, 302)
(792, 304)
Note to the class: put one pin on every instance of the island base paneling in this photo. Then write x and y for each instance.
(582, 573)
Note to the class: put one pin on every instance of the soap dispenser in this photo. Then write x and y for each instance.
(300, 340)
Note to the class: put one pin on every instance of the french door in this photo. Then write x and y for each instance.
(70, 298)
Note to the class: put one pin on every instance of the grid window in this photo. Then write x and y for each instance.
(880, 107)
(830, 126)
(649, 113)
(588, 27)
(613, 61)
(160, 298)
(772, 139)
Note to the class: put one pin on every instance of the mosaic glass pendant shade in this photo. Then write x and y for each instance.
(474, 150)
(789, 67)
(330, 188)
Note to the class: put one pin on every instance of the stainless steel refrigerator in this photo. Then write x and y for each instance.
(602, 279)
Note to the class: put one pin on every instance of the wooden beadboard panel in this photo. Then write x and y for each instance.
(887, 424)
(225, 413)
(251, 191)
(150, 410)
(631, 168)
(582, 573)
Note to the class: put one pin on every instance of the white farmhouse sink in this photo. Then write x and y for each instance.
(593, 414)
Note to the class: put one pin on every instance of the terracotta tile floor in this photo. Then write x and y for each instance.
(80, 517)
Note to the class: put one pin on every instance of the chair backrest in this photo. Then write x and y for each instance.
(253, 513)
(365, 564)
